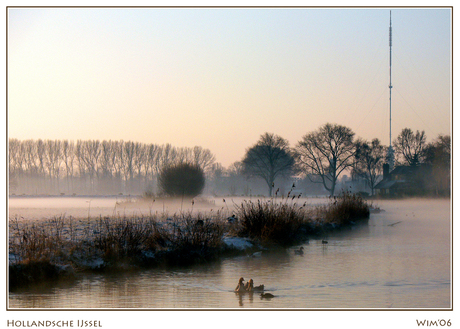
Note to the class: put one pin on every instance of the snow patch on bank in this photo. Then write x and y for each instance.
(238, 243)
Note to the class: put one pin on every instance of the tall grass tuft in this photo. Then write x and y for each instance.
(35, 252)
(197, 231)
(194, 238)
(124, 238)
(346, 208)
(184, 238)
(35, 243)
(271, 222)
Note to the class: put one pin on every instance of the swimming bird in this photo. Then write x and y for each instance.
(240, 287)
(324, 241)
(257, 254)
(232, 219)
(250, 286)
(266, 295)
(299, 251)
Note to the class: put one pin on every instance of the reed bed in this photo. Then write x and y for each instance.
(345, 209)
(272, 222)
(114, 239)
(65, 245)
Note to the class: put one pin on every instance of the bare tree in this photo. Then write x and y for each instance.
(182, 155)
(105, 162)
(410, 146)
(117, 158)
(369, 159)
(151, 157)
(140, 162)
(325, 154)
(31, 162)
(269, 158)
(41, 164)
(31, 171)
(167, 156)
(88, 153)
(53, 159)
(216, 177)
(15, 160)
(14, 156)
(41, 156)
(128, 153)
(139, 158)
(68, 157)
(203, 158)
(236, 178)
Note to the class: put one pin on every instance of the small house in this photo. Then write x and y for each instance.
(404, 180)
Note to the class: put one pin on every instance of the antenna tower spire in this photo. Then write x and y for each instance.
(390, 154)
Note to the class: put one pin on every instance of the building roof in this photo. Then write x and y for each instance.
(390, 181)
(404, 170)
(385, 184)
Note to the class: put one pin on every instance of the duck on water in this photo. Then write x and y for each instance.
(248, 286)
(299, 251)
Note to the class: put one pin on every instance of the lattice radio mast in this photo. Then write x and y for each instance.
(390, 154)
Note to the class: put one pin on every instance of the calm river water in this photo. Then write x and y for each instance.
(401, 259)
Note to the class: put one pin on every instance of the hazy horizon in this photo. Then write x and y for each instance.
(221, 77)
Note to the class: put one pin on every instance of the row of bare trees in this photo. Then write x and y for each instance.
(321, 156)
(92, 166)
(330, 151)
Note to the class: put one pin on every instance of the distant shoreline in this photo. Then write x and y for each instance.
(106, 196)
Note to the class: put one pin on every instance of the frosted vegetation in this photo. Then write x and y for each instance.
(64, 246)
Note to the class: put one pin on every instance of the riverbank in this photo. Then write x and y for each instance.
(66, 247)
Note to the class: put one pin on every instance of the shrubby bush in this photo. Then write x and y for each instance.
(180, 180)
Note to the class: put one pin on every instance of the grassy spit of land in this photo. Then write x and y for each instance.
(65, 246)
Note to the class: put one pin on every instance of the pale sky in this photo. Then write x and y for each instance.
(220, 77)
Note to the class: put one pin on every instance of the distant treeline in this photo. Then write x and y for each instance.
(92, 166)
(113, 167)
